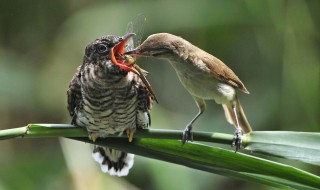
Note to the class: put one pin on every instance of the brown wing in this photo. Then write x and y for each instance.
(74, 93)
(223, 72)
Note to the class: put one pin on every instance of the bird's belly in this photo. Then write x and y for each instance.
(204, 85)
(106, 123)
(111, 114)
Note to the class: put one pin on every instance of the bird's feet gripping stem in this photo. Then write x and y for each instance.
(237, 139)
(187, 134)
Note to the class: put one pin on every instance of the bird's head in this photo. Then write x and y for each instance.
(161, 45)
(108, 51)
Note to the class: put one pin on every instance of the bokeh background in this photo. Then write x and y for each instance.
(272, 45)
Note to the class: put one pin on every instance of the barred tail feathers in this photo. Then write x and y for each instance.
(114, 162)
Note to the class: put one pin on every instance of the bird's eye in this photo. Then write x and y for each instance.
(102, 48)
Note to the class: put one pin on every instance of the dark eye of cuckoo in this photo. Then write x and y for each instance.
(102, 48)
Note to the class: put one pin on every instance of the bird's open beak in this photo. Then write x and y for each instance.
(127, 63)
(117, 52)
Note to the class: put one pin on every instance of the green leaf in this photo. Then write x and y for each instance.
(300, 146)
(166, 145)
(216, 160)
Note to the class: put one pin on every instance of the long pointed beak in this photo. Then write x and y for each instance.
(133, 52)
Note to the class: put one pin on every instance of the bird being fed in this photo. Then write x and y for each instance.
(107, 96)
(204, 76)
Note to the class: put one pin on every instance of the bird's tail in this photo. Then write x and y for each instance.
(242, 119)
(112, 161)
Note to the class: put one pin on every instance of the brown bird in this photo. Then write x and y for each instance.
(106, 98)
(204, 76)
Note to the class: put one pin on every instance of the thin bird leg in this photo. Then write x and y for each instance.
(237, 139)
(187, 135)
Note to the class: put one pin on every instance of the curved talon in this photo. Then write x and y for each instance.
(237, 139)
(130, 133)
(93, 136)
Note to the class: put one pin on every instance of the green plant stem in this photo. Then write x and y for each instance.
(12, 133)
(64, 130)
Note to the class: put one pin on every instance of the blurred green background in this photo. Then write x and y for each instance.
(273, 46)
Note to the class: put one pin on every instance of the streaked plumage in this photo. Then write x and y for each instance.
(107, 100)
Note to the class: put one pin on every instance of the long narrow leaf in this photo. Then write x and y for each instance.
(151, 143)
(300, 146)
(216, 160)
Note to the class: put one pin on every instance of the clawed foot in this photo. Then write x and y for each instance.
(93, 136)
(130, 133)
(237, 139)
(187, 134)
